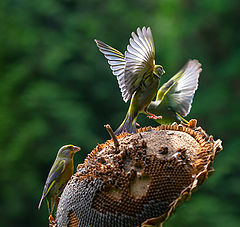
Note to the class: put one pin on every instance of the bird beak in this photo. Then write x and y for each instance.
(76, 149)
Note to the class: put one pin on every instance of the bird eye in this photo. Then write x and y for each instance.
(160, 70)
(70, 147)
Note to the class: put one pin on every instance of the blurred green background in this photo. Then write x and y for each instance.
(56, 88)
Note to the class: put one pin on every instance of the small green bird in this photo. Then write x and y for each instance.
(138, 76)
(59, 175)
(174, 98)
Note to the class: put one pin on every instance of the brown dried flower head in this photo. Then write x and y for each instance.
(141, 181)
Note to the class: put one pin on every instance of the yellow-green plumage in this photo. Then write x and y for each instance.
(174, 98)
(138, 76)
(140, 100)
(59, 175)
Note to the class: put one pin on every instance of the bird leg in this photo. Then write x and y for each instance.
(152, 116)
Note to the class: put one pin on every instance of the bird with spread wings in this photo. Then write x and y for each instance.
(174, 98)
(137, 74)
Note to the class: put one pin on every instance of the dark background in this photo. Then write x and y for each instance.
(56, 88)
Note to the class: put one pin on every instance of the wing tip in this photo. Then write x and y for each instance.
(195, 61)
(193, 64)
(97, 41)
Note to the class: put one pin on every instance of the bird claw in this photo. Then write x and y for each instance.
(52, 221)
(154, 117)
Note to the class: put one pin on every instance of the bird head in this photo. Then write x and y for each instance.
(158, 70)
(68, 151)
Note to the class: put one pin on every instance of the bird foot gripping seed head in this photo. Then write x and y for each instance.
(143, 181)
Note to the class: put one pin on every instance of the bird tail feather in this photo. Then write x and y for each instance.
(128, 125)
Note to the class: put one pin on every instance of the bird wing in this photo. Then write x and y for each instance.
(54, 173)
(140, 59)
(117, 64)
(180, 89)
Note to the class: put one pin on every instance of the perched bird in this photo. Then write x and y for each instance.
(138, 76)
(59, 175)
(174, 98)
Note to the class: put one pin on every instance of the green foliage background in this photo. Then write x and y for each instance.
(56, 88)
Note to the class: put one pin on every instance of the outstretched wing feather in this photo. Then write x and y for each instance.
(117, 64)
(139, 58)
(137, 63)
(180, 89)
